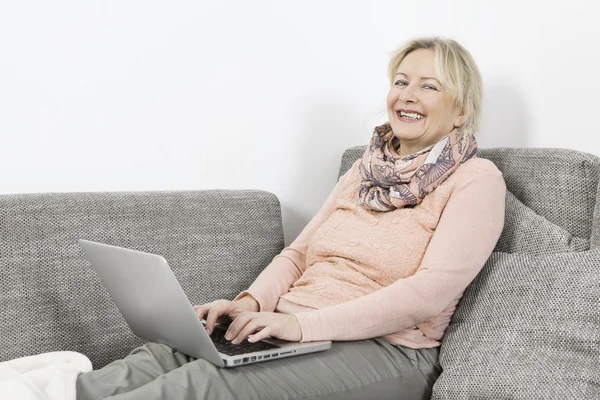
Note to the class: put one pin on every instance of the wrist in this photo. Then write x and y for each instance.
(248, 303)
(299, 326)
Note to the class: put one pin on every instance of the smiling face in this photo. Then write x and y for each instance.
(416, 90)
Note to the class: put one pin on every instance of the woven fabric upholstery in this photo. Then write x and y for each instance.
(526, 231)
(349, 157)
(559, 184)
(595, 238)
(528, 327)
(216, 241)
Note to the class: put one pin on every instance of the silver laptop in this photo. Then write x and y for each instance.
(154, 305)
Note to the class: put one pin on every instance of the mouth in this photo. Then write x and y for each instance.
(410, 118)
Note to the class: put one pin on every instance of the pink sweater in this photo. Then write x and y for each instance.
(355, 273)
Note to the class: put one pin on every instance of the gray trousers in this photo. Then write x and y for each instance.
(365, 369)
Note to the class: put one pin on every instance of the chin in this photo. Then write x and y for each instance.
(402, 133)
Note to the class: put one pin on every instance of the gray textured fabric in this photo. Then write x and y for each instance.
(527, 327)
(366, 369)
(51, 299)
(558, 184)
(595, 237)
(349, 157)
(526, 231)
(216, 241)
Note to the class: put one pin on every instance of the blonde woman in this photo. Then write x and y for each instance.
(379, 270)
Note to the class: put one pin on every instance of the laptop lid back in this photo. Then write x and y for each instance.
(150, 299)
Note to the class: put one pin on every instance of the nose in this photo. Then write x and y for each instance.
(408, 95)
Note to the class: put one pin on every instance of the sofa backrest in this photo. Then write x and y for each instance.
(560, 185)
(216, 242)
(536, 295)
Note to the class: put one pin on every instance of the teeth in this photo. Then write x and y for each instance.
(410, 115)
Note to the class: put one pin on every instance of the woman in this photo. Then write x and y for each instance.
(379, 270)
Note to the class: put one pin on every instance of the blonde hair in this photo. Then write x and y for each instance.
(457, 72)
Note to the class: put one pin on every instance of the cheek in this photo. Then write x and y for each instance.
(435, 110)
(391, 98)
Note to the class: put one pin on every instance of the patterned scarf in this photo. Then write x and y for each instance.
(390, 181)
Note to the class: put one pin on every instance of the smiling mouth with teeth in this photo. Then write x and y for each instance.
(414, 116)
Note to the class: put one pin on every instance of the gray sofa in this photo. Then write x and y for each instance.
(517, 333)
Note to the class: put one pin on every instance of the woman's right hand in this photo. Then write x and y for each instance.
(224, 310)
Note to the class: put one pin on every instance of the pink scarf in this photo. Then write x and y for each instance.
(390, 181)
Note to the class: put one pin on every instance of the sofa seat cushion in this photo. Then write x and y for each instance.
(527, 325)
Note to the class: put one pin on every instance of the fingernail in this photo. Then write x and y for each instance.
(228, 336)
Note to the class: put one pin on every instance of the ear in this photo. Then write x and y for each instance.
(459, 121)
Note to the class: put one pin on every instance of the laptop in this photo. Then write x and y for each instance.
(154, 305)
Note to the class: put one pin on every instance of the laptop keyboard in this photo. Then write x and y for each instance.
(226, 347)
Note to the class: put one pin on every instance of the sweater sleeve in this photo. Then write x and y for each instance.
(287, 267)
(466, 235)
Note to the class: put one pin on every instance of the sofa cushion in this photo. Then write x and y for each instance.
(528, 324)
(559, 184)
(524, 229)
(216, 242)
(527, 231)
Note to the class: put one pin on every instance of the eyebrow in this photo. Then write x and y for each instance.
(423, 78)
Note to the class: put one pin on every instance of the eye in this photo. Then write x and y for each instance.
(399, 82)
(430, 87)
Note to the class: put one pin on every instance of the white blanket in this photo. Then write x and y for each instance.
(47, 376)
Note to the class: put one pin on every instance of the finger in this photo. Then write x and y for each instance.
(238, 324)
(203, 308)
(260, 335)
(200, 311)
(211, 318)
(251, 327)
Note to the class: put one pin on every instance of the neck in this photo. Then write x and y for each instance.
(411, 148)
(406, 149)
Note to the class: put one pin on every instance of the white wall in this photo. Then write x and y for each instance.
(157, 95)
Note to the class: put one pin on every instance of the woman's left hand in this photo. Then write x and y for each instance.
(281, 326)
